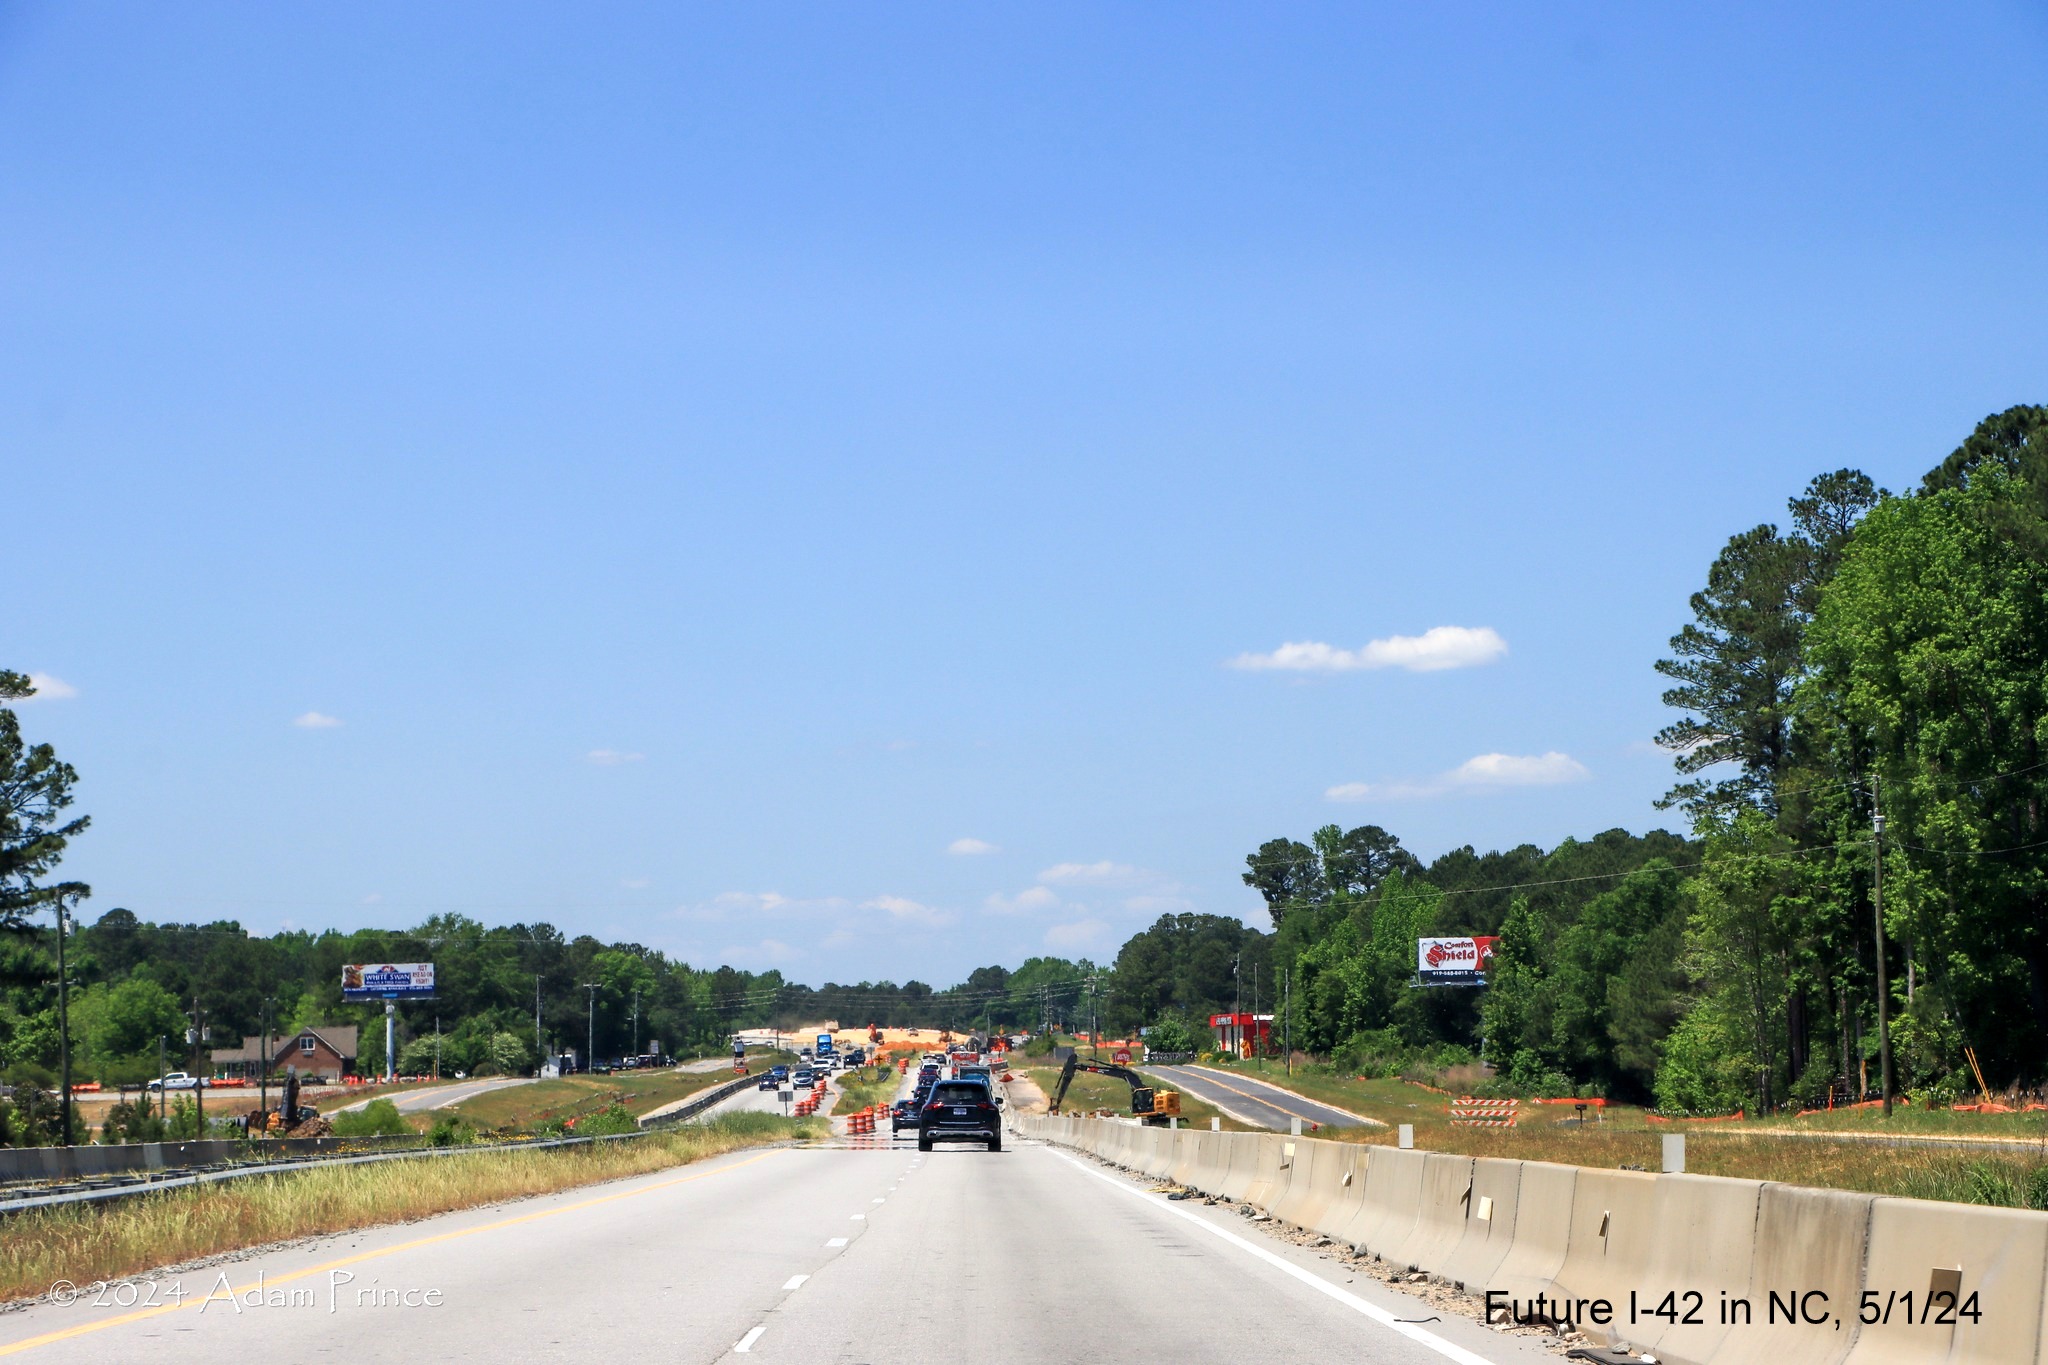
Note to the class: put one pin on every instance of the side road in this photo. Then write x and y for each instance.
(1256, 1102)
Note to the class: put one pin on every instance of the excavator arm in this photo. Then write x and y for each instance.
(1143, 1102)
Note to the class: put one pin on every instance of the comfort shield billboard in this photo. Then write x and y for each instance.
(1453, 961)
(387, 981)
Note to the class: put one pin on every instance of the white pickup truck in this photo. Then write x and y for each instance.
(177, 1080)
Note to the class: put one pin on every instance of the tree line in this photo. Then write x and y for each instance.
(1863, 708)
(1863, 699)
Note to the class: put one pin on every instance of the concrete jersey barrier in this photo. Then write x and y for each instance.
(1541, 1235)
(1608, 1247)
(1990, 1260)
(1807, 1241)
(1294, 1203)
(1441, 1211)
(1703, 1243)
(1393, 1200)
(1489, 1223)
(1528, 1228)
(1347, 1175)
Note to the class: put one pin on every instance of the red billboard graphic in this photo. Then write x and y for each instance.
(1454, 961)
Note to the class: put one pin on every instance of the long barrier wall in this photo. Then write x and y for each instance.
(1715, 1271)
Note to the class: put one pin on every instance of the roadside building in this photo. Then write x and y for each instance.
(1242, 1035)
(325, 1052)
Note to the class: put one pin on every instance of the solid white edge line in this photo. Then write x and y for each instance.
(1449, 1350)
(746, 1343)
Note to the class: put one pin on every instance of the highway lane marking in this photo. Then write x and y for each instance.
(1449, 1350)
(857, 1217)
(836, 1242)
(796, 1281)
(746, 1343)
(86, 1328)
(878, 1201)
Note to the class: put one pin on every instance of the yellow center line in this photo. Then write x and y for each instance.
(65, 1334)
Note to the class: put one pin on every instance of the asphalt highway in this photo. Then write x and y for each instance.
(854, 1250)
(440, 1096)
(1254, 1102)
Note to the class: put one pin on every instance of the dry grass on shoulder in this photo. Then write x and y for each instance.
(86, 1243)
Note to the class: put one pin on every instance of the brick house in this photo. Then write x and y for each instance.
(324, 1051)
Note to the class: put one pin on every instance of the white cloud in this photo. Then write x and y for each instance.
(313, 720)
(1159, 905)
(740, 905)
(373, 898)
(1486, 772)
(905, 911)
(1515, 770)
(769, 952)
(1091, 874)
(1436, 649)
(636, 883)
(48, 687)
(968, 848)
(1080, 934)
(1024, 902)
(611, 758)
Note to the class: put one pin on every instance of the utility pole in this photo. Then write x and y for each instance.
(540, 1051)
(1287, 1017)
(1255, 1012)
(591, 1060)
(437, 1047)
(163, 1069)
(197, 1036)
(1884, 1029)
(263, 1082)
(63, 1027)
(636, 1021)
(1237, 1006)
(1094, 1038)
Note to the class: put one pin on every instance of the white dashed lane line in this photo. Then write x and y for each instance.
(746, 1343)
(796, 1281)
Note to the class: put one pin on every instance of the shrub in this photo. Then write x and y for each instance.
(378, 1118)
(450, 1130)
(132, 1121)
(1177, 1033)
(608, 1122)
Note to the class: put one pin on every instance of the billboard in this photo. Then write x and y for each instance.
(1453, 961)
(387, 981)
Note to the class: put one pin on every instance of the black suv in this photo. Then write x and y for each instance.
(960, 1111)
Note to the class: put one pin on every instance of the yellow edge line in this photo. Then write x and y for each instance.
(50, 1338)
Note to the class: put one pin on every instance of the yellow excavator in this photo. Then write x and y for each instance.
(1155, 1107)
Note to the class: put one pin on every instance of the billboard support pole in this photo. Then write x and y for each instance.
(390, 1057)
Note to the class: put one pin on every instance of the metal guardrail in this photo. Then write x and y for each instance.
(702, 1101)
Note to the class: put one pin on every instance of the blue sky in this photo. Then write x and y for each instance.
(710, 461)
